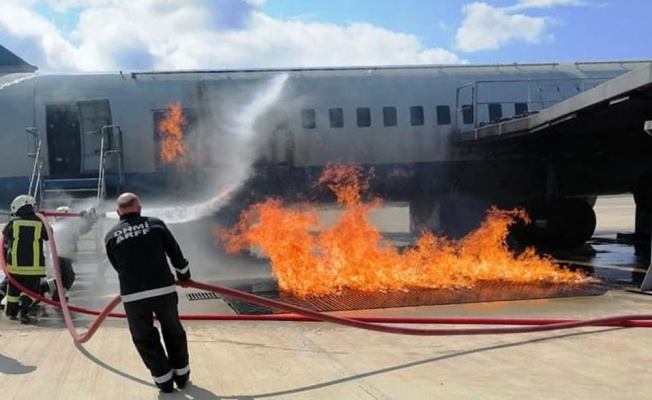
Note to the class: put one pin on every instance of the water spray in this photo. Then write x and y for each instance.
(242, 127)
(4, 85)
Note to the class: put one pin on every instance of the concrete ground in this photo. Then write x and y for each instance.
(315, 360)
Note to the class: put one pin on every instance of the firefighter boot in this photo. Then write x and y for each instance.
(25, 317)
(11, 311)
(166, 387)
(25, 306)
(181, 380)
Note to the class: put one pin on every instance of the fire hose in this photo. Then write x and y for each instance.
(304, 314)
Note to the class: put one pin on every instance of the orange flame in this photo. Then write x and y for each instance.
(310, 259)
(173, 148)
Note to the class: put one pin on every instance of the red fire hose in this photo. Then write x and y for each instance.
(369, 323)
(58, 214)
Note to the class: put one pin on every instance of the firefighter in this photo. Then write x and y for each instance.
(138, 248)
(23, 250)
(45, 288)
(67, 231)
(3, 293)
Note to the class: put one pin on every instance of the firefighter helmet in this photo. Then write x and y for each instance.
(21, 201)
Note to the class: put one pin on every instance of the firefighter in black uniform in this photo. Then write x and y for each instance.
(137, 247)
(23, 250)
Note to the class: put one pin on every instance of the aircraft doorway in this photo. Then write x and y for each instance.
(63, 138)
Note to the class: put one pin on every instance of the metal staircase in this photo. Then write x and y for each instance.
(54, 192)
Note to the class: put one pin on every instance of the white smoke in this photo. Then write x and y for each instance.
(11, 80)
(235, 160)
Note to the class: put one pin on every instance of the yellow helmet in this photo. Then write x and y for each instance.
(21, 201)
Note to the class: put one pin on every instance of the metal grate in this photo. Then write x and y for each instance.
(485, 291)
(202, 296)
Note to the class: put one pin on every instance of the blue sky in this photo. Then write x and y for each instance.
(100, 35)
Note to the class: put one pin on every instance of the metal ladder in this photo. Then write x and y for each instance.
(110, 147)
(34, 151)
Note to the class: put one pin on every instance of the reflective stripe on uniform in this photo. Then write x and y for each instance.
(183, 271)
(35, 268)
(182, 371)
(163, 378)
(146, 294)
(13, 299)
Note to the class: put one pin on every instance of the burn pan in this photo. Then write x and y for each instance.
(347, 299)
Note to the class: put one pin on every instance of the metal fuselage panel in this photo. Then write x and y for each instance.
(280, 137)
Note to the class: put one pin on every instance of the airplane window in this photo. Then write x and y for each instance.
(467, 113)
(520, 108)
(495, 111)
(443, 115)
(336, 116)
(308, 118)
(416, 116)
(390, 118)
(364, 116)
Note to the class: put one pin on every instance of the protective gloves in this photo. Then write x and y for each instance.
(183, 276)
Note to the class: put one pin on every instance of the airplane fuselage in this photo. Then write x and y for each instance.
(401, 121)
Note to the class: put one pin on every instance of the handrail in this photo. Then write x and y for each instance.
(104, 153)
(35, 178)
(582, 84)
(100, 179)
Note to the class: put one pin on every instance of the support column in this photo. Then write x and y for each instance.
(643, 220)
(642, 231)
(424, 214)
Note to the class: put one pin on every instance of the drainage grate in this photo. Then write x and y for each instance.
(485, 291)
(202, 296)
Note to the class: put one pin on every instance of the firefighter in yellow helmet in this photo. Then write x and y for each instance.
(23, 250)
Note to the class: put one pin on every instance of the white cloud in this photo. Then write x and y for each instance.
(21, 22)
(200, 34)
(486, 27)
(525, 4)
(64, 5)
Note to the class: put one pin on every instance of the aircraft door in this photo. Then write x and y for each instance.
(465, 100)
(93, 116)
(63, 139)
(280, 148)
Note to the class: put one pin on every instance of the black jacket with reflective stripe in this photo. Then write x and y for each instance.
(24, 235)
(137, 248)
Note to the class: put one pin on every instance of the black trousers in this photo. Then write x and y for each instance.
(146, 337)
(67, 273)
(18, 301)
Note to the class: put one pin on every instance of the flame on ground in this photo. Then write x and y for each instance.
(308, 258)
(173, 150)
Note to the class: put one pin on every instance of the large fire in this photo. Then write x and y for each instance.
(308, 258)
(173, 150)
